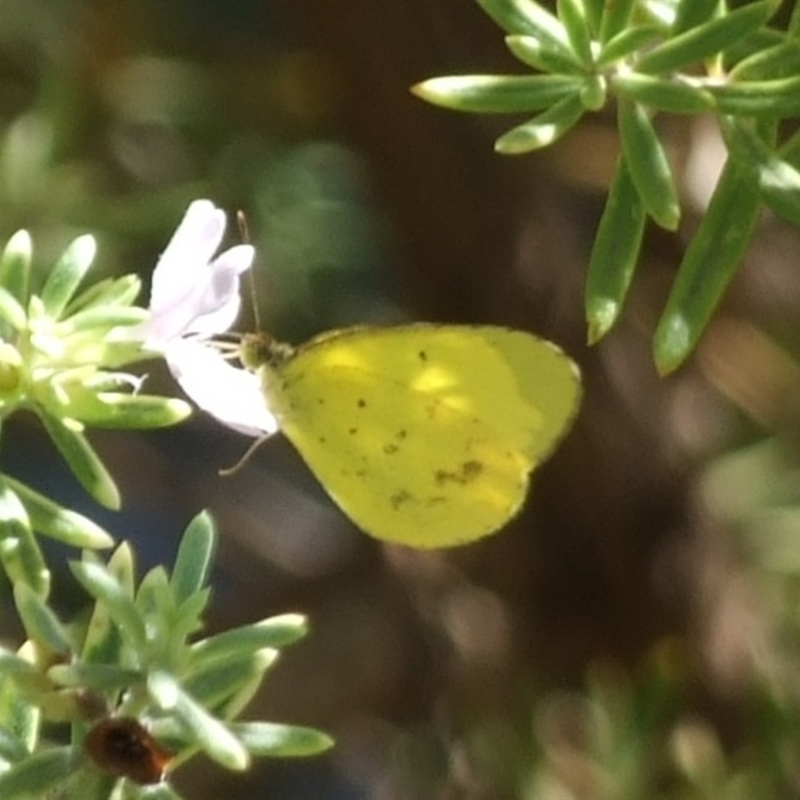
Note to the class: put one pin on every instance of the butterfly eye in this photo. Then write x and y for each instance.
(124, 747)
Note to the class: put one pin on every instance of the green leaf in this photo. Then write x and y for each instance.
(120, 291)
(539, 54)
(206, 731)
(39, 773)
(217, 681)
(614, 254)
(780, 61)
(274, 632)
(63, 524)
(19, 553)
(12, 314)
(40, 622)
(626, 42)
(12, 748)
(497, 94)
(103, 643)
(65, 276)
(648, 164)
(101, 584)
(693, 13)
(527, 17)
(82, 460)
(616, 17)
(102, 319)
(19, 715)
(708, 265)
(572, 15)
(281, 741)
(594, 15)
(778, 180)
(124, 411)
(707, 40)
(158, 791)
(98, 677)
(672, 95)
(774, 98)
(15, 267)
(543, 129)
(194, 558)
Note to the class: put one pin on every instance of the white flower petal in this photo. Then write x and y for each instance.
(191, 293)
(195, 241)
(231, 395)
(217, 307)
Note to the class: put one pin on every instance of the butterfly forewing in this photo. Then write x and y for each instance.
(424, 434)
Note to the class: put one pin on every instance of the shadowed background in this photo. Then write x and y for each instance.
(628, 589)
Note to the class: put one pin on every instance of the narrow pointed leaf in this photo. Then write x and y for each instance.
(217, 681)
(497, 94)
(120, 291)
(20, 555)
(626, 42)
(614, 254)
(615, 19)
(12, 748)
(673, 95)
(40, 622)
(63, 524)
(195, 556)
(648, 165)
(125, 411)
(693, 13)
(273, 632)
(543, 129)
(103, 643)
(699, 43)
(539, 54)
(281, 741)
(101, 319)
(82, 460)
(773, 98)
(208, 732)
(101, 584)
(525, 16)
(775, 63)
(710, 262)
(572, 16)
(778, 180)
(12, 314)
(15, 267)
(99, 677)
(39, 774)
(65, 276)
(594, 15)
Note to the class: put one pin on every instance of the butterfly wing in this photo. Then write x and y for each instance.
(424, 434)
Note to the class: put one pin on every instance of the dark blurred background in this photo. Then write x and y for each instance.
(634, 632)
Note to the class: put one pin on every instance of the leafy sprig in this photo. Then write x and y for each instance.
(651, 57)
(132, 661)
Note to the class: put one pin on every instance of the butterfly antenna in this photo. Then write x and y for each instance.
(228, 471)
(241, 221)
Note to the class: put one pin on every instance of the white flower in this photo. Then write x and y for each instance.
(194, 297)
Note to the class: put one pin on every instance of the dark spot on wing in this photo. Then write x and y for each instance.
(399, 498)
(422, 355)
(362, 403)
(401, 434)
(352, 431)
(467, 472)
(390, 449)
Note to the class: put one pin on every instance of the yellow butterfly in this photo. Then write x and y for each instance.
(422, 434)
